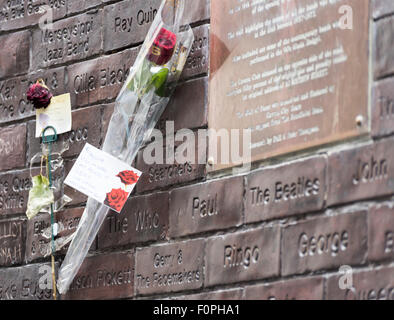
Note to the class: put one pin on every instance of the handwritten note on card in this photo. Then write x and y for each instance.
(57, 115)
(103, 177)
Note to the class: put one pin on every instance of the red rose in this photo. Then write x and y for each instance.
(128, 177)
(163, 47)
(116, 199)
(39, 94)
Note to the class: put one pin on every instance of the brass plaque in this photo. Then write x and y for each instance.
(294, 72)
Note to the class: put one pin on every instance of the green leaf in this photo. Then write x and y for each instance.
(40, 196)
(159, 81)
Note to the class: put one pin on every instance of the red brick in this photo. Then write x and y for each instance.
(23, 283)
(375, 284)
(129, 21)
(144, 218)
(361, 173)
(14, 192)
(232, 294)
(243, 256)
(107, 276)
(14, 60)
(99, 79)
(205, 207)
(20, 14)
(198, 60)
(12, 247)
(185, 112)
(36, 244)
(381, 233)
(13, 102)
(382, 8)
(298, 289)
(85, 40)
(286, 189)
(169, 268)
(81, 5)
(383, 108)
(383, 56)
(12, 147)
(324, 243)
(86, 128)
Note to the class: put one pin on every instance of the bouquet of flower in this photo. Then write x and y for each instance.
(139, 105)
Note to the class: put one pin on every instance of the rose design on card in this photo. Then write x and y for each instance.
(103, 177)
(116, 199)
(128, 177)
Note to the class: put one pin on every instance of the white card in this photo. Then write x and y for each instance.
(57, 115)
(103, 177)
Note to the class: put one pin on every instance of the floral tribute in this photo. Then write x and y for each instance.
(138, 107)
(39, 94)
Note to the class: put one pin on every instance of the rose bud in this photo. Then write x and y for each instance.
(39, 94)
(163, 47)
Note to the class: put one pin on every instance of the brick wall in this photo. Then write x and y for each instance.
(281, 231)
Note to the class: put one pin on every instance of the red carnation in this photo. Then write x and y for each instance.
(39, 94)
(128, 177)
(163, 47)
(116, 199)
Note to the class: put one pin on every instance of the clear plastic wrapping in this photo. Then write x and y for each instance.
(139, 105)
(57, 172)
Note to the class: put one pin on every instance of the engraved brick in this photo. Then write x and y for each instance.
(242, 256)
(36, 244)
(361, 173)
(382, 8)
(233, 294)
(375, 284)
(383, 108)
(207, 206)
(144, 218)
(19, 14)
(14, 192)
(129, 21)
(176, 172)
(286, 189)
(71, 39)
(198, 60)
(107, 276)
(383, 56)
(12, 147)
(298, 289)
(86, 128)
(99, 79)
(81, 5)
(22, 283)
(381, 233)
(14, 60)
(169, 267)
(185, 112)
(12, 248)
(324, 243)
(13, 102)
